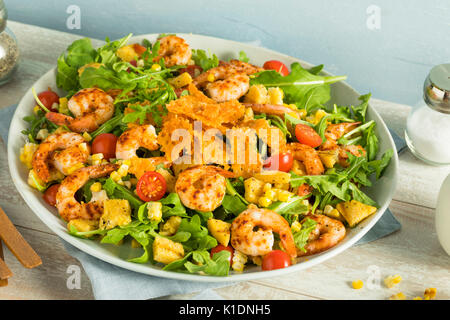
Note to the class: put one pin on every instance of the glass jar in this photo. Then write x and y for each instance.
(9, 50)
(428, 125)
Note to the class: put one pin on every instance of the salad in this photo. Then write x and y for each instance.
(205, 166)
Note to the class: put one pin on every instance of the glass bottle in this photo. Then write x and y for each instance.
(9, 50)
(428, 125)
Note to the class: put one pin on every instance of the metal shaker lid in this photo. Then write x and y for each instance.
(436, 88)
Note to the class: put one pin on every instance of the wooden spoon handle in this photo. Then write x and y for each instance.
(17, 244)
(5, 273)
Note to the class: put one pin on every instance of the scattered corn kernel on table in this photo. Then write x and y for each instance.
(413, 252)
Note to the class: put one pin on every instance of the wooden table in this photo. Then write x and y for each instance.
(413, 252)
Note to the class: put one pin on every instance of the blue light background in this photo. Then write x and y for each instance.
(391, 62)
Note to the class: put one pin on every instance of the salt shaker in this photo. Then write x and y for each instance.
(9, 50)
(428, 126)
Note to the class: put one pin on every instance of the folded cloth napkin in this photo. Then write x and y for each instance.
(111, 282)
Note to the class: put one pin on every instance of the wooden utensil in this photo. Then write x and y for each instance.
(3, 282)
(17, 244)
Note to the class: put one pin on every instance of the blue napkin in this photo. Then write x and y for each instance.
(111, 282)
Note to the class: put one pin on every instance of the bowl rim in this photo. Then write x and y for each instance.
(144, 268)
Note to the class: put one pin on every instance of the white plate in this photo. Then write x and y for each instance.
(341, 93)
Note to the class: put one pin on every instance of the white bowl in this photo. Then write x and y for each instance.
(341, 93)
(442, 216)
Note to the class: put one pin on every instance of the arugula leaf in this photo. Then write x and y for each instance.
(218, 265)
(293, 206)
(297, 84)
(199, 234)
(380, 165)
(233, 204)
(243, 56)
(66, 75)
(360, 110)
(80, 53)
(172, 206)
(116, 191)
(203, 60)
(301, 237)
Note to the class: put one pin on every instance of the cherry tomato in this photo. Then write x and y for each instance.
(304, 190)
(191, 70)
(48, 98)
(139, 49)
(277, 66)
(221, 247)
(307, 135)
(280, 162)
(105, 143)
(49, 195)
(151, 186)
(276, 259)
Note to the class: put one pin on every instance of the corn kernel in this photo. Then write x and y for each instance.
(154, 210)
(83, 147)
(115, 176)
(63, 108)
(42, 134)
(126, 162)
(391, 281)
(87, 136)
(267, 187)
(96, 187)
(211, 77)
(127, 184)
(357, 284)
(257, 94)
(417, 298)
(257, 260)
(430, 293)
(36, 109)
(123, 170)
(239, 261)
(264, 202)
(296, 226)
(327, 209)
(283, 195)
(156, 67)
(27, 152)
(140, 63)
(271, 194)
(398, 296)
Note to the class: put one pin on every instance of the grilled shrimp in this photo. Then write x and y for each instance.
(54, 142)
(91, 107)
(308, 156)
(328, 233)
(335, 131)
(174, 50)
(67, 159)
(134, 138)
(260, 242)
(230, 80)
(202, 188)
(68, 207)
(275, 109)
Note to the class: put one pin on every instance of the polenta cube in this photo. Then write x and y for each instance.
(354, 211)
(256, 94)
(171, 226)
(27, 152)
(298, 168)
(180, 81)
(154, 210)
(220, 230)
(127, 53)
(254, 188)
(328, 158)
(170, 179)
(82, 225)
(116, 212)
(275, 95)
(273, 176)
(166, 250)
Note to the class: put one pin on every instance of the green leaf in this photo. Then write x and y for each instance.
(80, 53)
(233, 204)
(360, 110)
(293, 206)
(301, 237)
(243, 56)
(297, 84)
(116, 191)
(172, 206)
(203, 60)
(66, 76)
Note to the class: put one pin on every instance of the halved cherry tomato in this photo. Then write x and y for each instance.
(105, 143)
(49, 195)
(280, 162)
(304, 190)
(191, 70)
(151, 186)
(276, 259)
(277, 66)
(307, 135)
(48, 98)
(221, 247)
